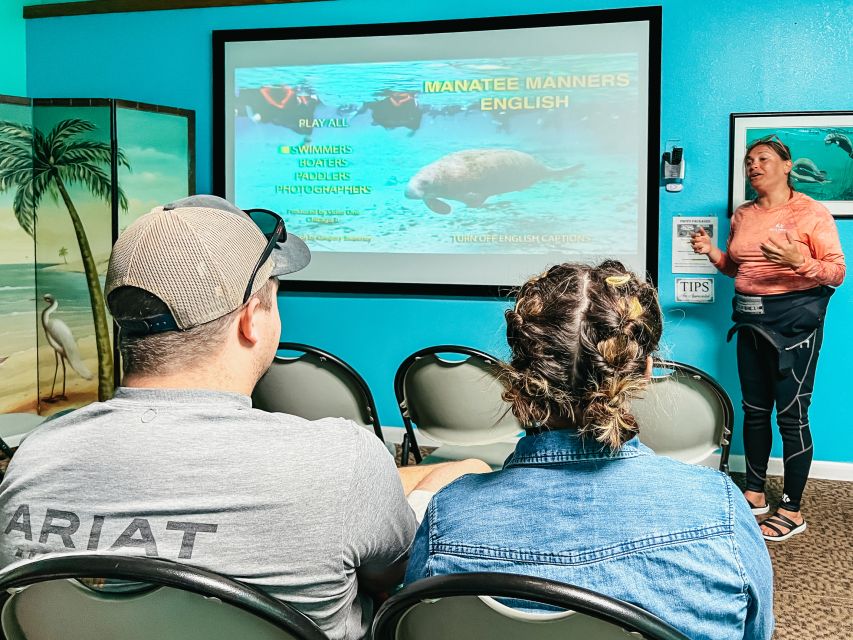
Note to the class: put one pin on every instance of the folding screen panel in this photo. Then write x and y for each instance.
(73, 192)
(18, 387)
(96, 166)
(158, 144)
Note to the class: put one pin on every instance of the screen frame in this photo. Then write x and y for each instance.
(651, 15)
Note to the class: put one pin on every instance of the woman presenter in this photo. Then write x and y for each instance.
(784, 254)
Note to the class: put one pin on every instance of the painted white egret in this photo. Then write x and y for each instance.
(59, 337)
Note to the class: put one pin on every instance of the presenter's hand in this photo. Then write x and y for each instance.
(784, 252)
(701, 242)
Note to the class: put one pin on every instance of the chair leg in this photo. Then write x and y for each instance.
(410, 443)
(724, 454)
(404, 457)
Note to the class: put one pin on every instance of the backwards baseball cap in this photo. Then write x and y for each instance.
(198, 255)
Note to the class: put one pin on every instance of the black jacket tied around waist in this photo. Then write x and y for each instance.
(786, 320)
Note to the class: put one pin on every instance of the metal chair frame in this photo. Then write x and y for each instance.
(367, 396)
(7, 451)
(520, 587)
(166, 573)
(720, 392)
(409, 439)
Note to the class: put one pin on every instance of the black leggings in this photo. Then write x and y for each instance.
(762, 385)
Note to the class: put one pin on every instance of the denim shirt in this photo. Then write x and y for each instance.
(675, 539)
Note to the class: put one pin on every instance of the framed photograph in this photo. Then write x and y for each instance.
(821, 144)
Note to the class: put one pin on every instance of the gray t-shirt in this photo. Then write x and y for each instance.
(292, 506)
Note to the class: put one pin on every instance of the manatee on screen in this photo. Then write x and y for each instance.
(473, 175)
(805, 170)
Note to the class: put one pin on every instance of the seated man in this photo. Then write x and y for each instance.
(580, 500)
(178, 464)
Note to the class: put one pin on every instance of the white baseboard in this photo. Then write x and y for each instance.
(820, 469)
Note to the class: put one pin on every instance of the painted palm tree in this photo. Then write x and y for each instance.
(36, 164)
(63, 253)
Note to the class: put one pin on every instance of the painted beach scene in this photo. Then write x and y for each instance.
(57, 231)
(63, 205)
(465, 156)
(18, 309)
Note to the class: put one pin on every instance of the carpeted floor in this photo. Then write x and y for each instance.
(813, 571)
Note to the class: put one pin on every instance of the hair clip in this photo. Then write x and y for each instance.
(618, 281)
(635, 309)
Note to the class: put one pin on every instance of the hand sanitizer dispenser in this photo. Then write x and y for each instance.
(673, 169)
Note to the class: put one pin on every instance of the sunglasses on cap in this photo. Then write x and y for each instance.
(272, 226)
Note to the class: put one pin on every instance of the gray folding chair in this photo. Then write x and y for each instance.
(685, 414)
(457, 402)
(314, 385)
(14, 427)
(179, 602)
(464, 606)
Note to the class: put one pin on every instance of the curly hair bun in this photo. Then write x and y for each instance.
(607, 417)
(579, 337)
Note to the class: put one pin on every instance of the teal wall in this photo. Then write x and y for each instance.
(718, 57)
(13, 51)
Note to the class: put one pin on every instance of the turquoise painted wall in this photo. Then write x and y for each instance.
(13, 51)
(718, 57)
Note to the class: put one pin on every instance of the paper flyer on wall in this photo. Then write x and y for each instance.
(683, 258)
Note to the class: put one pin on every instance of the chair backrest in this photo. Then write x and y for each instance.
(463, 606)
(183, 603)
(685, 414)
(454, 400)
(314, 385)
(15, 426)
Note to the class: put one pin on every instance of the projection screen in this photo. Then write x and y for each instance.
(459, 155)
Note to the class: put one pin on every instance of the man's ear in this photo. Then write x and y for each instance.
(246, 323)
(649, 368)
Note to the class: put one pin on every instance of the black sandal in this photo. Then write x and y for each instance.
(756, 510)
(778, 519)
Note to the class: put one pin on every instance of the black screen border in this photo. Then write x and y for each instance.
(652, 15)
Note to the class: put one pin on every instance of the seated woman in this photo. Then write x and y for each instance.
(581, 500)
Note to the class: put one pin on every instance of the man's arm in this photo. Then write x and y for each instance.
(379, 580)
(379, 523)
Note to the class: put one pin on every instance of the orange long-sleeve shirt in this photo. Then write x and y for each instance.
(808, 222)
